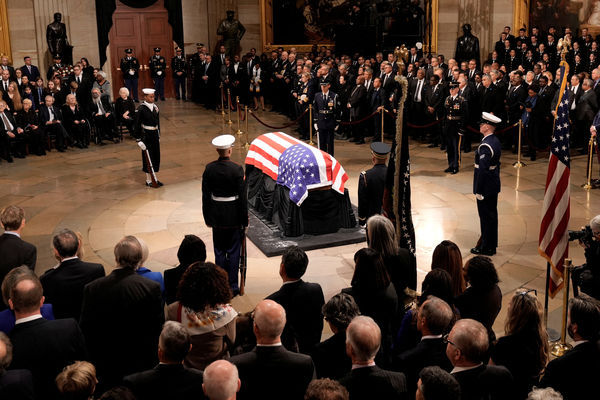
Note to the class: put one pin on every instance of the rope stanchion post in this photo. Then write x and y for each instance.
(562, 347)
(222, 102)
(382, 123)
(237, 108)
(229, 121)
(246, 145)
(310, 124)
(588, 183)
(519, 163)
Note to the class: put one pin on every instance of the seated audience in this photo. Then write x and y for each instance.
(51, 120)
(77, 381)
(376, 297)
(121, 318)
(437, 384)
(269, 370)
(168, 379)
(74, 121)
(524, 349)
(44, 347)
(13, 98)
(192, 249)
(125, 110)
(446, 256)
(483, 299)
(221, 381)
(367, 380)
(14, 251)
(203, 308)
(7, 317)
(575, 374)
(400, 263)
(145, 272)
(8, 131)
(103, 86)
(433, 321)
(302, 302)
(102, 114)
(329, 356)
(467, 346)
(63, 284)
(28, 120)
(326, 389)
(15, 384)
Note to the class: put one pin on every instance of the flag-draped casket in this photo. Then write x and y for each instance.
(297, 186)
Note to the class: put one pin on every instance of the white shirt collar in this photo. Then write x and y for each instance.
(460, 369)
(288, 282)
(27, 319)
(431, 337)
(69, 258)
(12, 233)
(357, 366)
(269, 345)
(149, 105)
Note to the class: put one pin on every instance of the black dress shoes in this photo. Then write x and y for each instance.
(454, 171)
(483, 252)
(449, 169)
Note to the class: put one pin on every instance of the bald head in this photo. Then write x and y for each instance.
(221, 380)
(471, 339)
(26, 297)
(363, 338)
(269, 321)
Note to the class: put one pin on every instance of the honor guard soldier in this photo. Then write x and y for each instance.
(486, 185)
(456, 116)
(225, 208)
(130, 67)
(147, 128)
(179, 67)
(196, 63)
(158, 67)
(326, 109)
(372, 182)
(55, 67)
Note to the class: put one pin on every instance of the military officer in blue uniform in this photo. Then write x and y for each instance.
(456, 116)
(486, 185)
(179, 67)
(326, 110)
(372, 182)
(225, 208)
(158, 67)
(130, 68)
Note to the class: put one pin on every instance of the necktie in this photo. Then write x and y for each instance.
(7, 123)
(418, 92)
(29, 68)
(51, 114)
(5, 86)
(100, 108)
(78, 79)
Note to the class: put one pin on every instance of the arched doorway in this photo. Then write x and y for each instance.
(141, 29)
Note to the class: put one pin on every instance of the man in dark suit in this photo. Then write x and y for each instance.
(103, 116)
(434, 97)
(15, 384)
(357, 104)
(433, 318)
(210, 82)
(51, 120)
(121, 318)
(9, 132)
(170, 378)
(467, 345)
(515, 99)
(269, 369)
(29, 70)
(5, 66)
(435, 383)
(302, 302)
(377, 100)
(14, 251)
(367, 380)
(584, 114)
(84, 85)
(417, 89)
(63, 284)
(575, 374)
(44, 347)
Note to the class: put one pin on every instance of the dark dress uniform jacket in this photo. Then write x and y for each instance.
(63, 286)
(127, 65)
(222, 179)
(486, 177)
(150, 137)
(375, 383)
(166, 381)
(370, 192)
(15, 252)
(121, 318)
(157, 64)
(326, 108)
(16, 385)
(179, 65)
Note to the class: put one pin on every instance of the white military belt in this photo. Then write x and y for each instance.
(224, 199)
(492, 167)
(150, 128)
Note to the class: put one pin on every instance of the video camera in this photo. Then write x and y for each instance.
(585, 235)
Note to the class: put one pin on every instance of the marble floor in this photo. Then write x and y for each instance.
(100, 192)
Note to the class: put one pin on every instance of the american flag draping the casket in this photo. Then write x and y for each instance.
(295, 165)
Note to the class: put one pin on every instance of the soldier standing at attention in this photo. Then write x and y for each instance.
(225, 208)
(179, 67)
(456, 114)
(486, 185)
(326, 109)
(372, 182)
(130, 68)
(147, 128)
(158, 66)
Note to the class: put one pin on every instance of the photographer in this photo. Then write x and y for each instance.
(587, 276)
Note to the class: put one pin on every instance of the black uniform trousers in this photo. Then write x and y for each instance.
(132, 85)
(152, 142)
(179, 82)
(159, 86)
(451, 132)
(227, 246)
(488, 221)
(326, 136)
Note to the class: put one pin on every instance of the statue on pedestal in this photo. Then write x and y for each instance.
(58, 44)
(232, 31)
(467, 46)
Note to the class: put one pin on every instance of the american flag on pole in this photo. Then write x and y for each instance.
(553, 241)
(295, 164)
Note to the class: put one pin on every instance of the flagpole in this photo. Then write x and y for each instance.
(553, 334)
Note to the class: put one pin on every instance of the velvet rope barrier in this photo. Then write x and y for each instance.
(279, 127)
(360, 120)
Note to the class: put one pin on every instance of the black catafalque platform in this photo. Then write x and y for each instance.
(326, 218)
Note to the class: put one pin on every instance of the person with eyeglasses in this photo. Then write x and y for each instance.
(466, 348)
(524, 348)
